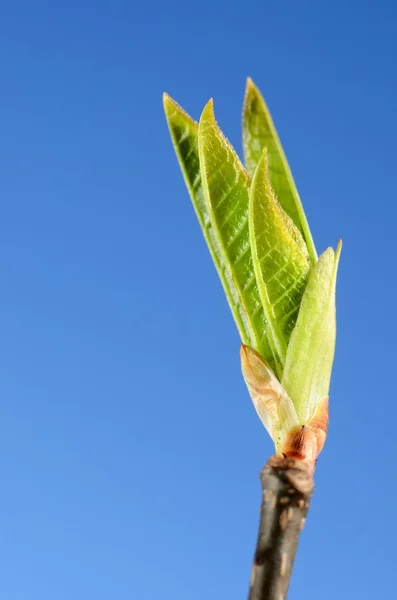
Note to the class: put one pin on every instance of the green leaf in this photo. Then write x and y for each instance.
(259, 132)
(184, 131)
(310, 355)
(226, 186)
(280, 258)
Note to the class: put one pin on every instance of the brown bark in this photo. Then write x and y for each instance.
(287, 486)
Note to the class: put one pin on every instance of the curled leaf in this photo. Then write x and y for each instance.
(226, 187)
(184, 135)
(281, 261)
(259, 133)
(308, 365)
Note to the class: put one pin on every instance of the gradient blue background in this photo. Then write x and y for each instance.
(129, 450)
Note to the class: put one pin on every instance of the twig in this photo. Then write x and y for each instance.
(287, 488)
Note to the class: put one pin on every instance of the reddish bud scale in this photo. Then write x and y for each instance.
(305, 442)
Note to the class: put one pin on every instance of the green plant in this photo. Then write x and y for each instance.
(282, 298)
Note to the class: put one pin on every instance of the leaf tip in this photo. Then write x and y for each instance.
(261, 180)
(253, 366)
(253, 96)
(244, 351)
(337, 256)
(207, 122)
(250, 84)
(167, 101)
(173, 110)
(250, 87)
(263, 166)
(252, 362)
(249, 92)
(208, 111)
(246, 355)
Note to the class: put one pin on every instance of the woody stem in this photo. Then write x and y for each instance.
(287, 486)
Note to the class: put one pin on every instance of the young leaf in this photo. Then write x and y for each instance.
(259, 132)
(270, 400)
(281, 261)
(308, 365)
(184, 131)
(226, 187)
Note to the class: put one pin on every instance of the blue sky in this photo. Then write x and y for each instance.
(129, 449)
